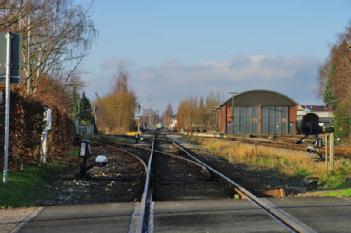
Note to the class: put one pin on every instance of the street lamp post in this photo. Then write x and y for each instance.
(234, 93)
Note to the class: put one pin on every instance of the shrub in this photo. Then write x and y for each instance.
(26, 126)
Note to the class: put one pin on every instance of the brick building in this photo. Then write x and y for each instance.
(258, 112)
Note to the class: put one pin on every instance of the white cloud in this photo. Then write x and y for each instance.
(173, 80)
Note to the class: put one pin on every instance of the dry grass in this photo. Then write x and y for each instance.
(289, 162)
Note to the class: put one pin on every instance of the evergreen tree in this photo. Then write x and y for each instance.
(85, 113)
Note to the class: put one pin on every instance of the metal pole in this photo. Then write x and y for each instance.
(326, 152)
(7, 109)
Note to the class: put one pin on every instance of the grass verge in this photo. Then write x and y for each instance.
(339, 193)
(288, 162)
(29, 186)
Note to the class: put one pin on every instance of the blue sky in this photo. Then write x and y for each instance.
(175, 49)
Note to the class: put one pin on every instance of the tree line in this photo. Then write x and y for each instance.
(197, 114)
(335, 83)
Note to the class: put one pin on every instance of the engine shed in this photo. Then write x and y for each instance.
(257, 112)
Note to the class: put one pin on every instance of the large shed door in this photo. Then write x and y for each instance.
(245, 120)
(275, 119)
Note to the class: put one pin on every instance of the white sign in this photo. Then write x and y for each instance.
(48, 118)
(83, 149)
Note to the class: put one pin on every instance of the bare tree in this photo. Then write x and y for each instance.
(117, 110)
(167, 116)
(335, 83)
(194, 114)
(56, 34)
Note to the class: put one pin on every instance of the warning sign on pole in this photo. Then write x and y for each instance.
(15, 50)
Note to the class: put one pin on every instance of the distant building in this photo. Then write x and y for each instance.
(173, 124)
(149, 119)
(257, 112)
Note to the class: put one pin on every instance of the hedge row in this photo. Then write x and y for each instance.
(26, 126)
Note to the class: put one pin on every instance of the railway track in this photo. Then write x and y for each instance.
(176, 177)
(282, 142)
(286, 142)
(173, 172)
(179, 174)
(288, 221)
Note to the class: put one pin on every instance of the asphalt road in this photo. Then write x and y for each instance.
(104, 218)
(324, 214)
(212, 216)
(320, 214)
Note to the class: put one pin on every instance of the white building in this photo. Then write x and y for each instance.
(173, 123)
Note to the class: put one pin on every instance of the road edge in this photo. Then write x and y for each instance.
(21, 224)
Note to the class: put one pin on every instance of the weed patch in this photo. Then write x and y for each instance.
(289, 162)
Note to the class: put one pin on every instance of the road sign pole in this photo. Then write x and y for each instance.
(7, 108)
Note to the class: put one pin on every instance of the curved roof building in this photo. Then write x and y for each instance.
(258, 112)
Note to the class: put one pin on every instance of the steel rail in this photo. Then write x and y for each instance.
(203, 168)
(138, 222)
(291, 223)
(165, 153)
(145, 203)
